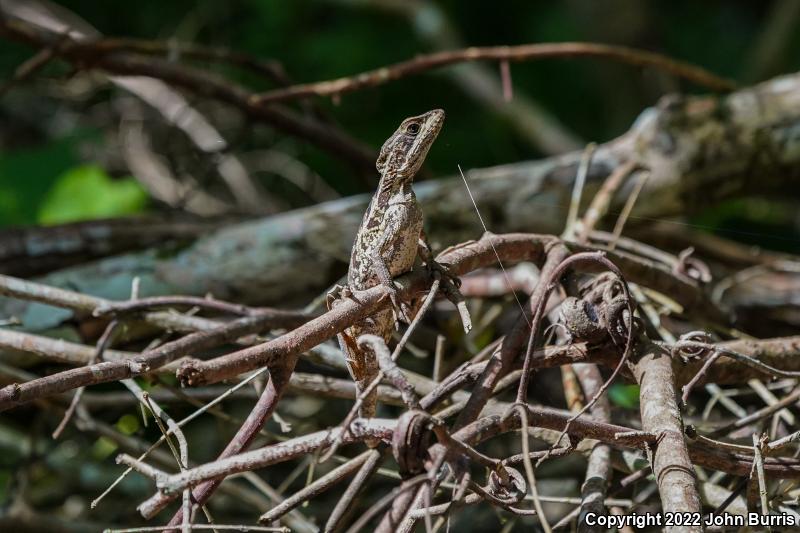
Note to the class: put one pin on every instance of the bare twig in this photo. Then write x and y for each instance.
(577, 192)
(262, 410)
(602, 200)
(524, 52)
(105, 340)
(345, 503)
(337, 475)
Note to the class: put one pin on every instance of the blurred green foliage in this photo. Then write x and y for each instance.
(87, 192)
(103, 448)
(128, 424)
(624, 395)
(27, 175)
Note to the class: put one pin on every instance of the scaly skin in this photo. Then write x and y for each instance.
(387, 241)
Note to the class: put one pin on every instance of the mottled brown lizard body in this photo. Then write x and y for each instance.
(388, 239)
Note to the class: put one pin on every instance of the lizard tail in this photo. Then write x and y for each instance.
(363, 367)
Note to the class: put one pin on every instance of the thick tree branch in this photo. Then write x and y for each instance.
(660, 415)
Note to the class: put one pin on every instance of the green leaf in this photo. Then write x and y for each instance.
(87, 192)
(128, 424)
(624, 395)
(102, 448)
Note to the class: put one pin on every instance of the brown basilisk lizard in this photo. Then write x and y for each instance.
(388, 242)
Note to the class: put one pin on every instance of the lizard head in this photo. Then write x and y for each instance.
(403, 153)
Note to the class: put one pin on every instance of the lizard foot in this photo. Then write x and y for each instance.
(337, 292)
(450, 286)
(400, 311)
(444, 271)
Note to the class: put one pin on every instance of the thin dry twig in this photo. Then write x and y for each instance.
(524, 52)
(311, 490)
(523, 415)
(102, 343)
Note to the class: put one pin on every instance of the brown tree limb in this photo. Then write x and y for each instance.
(598, 469)
(781, 352)
(16, 394)
(276, 453)
(276, 385)
(57, 350)
(524, 52)
(671, 463)
(461, 259)
(479, 431)
(144, 304)
(486, 428)
(84, 303)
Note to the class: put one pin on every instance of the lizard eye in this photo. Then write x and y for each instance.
(412, 128)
